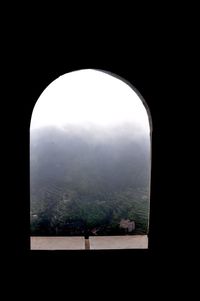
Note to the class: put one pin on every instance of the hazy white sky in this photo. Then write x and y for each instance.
(88, 96)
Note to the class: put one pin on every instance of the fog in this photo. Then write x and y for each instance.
(89, 98)
(90, 157)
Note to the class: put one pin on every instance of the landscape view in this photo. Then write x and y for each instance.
(89, 176)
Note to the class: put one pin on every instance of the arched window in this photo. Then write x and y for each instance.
(90, 164)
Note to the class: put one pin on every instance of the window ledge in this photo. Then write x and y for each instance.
(93, 243)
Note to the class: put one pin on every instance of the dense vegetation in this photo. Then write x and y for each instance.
(85, 181)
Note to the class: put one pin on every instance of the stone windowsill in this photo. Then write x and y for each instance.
(93, 243)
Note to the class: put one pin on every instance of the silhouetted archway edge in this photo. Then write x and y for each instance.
(113, 75)
(133, 88)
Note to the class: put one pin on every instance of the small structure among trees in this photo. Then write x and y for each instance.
(127, 225)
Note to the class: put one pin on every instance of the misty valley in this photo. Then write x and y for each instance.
(89, 180)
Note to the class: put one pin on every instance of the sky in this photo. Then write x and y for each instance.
(89, 97)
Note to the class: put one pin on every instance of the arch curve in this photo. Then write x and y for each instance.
(90, 157)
